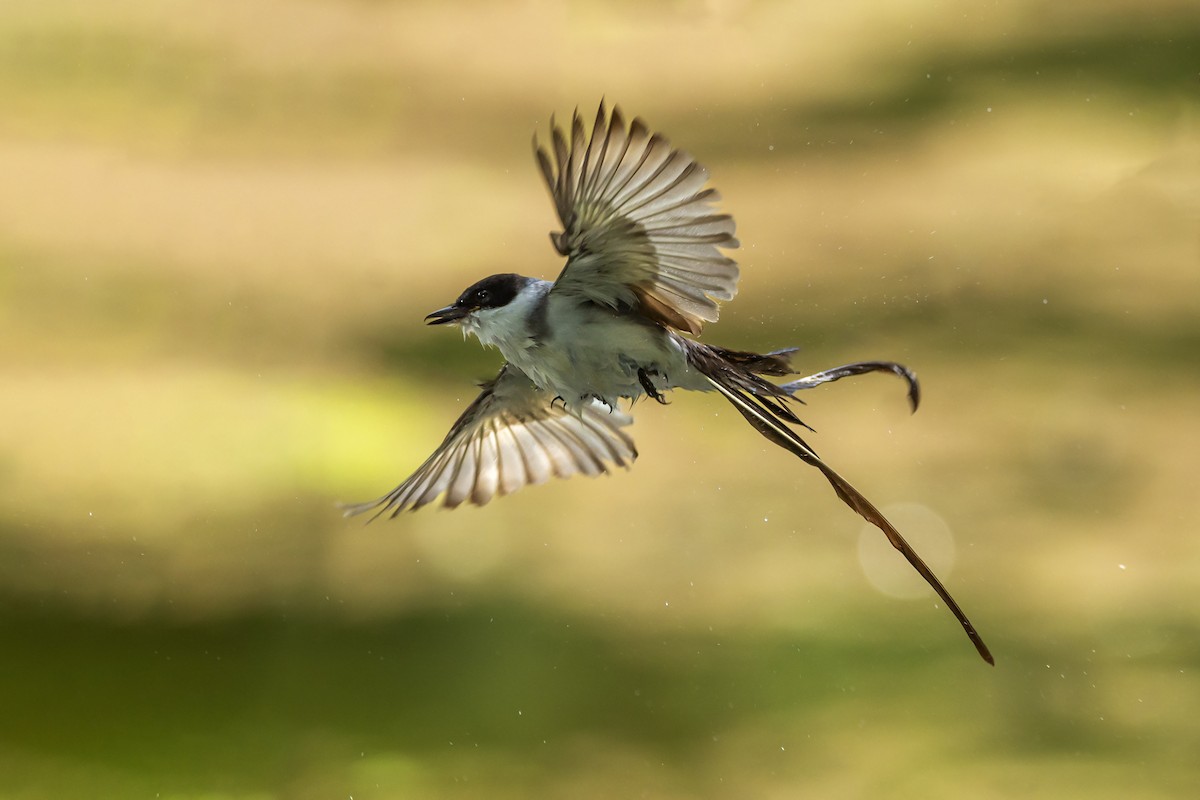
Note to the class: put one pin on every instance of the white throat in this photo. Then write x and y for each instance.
(508, 327)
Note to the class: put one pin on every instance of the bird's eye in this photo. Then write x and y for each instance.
(482, 296)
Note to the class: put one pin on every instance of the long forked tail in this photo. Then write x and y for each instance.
(736, 376)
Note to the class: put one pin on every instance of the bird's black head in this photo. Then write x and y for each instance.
(495, 291)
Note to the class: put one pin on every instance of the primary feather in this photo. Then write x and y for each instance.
(639, 231)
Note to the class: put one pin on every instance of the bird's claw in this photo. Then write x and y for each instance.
(648, 386)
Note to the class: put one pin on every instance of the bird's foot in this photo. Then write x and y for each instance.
(648, 385)
(601, 400)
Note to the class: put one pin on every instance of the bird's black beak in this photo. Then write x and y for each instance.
(446, 315)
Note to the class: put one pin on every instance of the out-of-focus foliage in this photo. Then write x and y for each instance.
(221, 223)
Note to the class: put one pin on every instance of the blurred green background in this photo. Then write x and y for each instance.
(221, 223)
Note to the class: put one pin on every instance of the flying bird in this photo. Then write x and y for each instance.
(644, 272)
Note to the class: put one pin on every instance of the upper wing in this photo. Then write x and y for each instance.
(509, 437)
(638, 229)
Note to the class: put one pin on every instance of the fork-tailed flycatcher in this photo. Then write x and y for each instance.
(644, 273)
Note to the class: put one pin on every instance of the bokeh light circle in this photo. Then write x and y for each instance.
(887, 570)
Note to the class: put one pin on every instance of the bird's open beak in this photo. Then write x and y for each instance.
(446, 315)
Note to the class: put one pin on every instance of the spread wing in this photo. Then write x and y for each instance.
(511, 436)
(639, 229)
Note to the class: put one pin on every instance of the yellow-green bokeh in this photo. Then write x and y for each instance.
(222, 222)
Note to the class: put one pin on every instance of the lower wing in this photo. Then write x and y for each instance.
(510, 436)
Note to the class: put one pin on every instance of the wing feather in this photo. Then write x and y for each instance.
(510, 437)
(462, 483)
(436, 480)
(512, 465)
(561, 454)
(579, 457)
(536, 460)
(638, 225)
(487, 461)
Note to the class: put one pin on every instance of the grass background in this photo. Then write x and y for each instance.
(222, 222)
